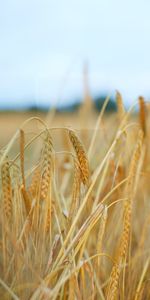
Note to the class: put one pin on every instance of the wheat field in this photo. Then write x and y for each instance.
(75, 206)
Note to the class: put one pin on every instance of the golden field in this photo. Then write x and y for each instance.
(74, 204)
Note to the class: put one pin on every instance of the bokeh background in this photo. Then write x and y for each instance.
(44, 45)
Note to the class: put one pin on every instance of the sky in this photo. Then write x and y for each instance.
(45, 43)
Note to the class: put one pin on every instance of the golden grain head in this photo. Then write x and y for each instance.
(6, 188)
(81, 155)
(142, 114)
(120, 106)
(46, 166)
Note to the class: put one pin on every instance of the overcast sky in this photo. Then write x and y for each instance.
(44, 43)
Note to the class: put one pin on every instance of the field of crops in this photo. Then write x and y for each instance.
(75, 206)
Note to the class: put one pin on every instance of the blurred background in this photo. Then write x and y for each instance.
(52, 52)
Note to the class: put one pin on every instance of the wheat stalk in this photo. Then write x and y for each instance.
(100, 237)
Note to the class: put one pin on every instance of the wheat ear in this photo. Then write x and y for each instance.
(26, 198)
(7, 189)
(46, 167)
(82, 157)
(126, 230)
(35, 182)
(120, 106)
(113, 287)
(142, 114)
(22, 143)
(76, 190)
(49, 211)
(134, 162)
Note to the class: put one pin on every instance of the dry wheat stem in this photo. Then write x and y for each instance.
(97, 127)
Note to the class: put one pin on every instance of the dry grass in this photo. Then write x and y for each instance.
(74, 208)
